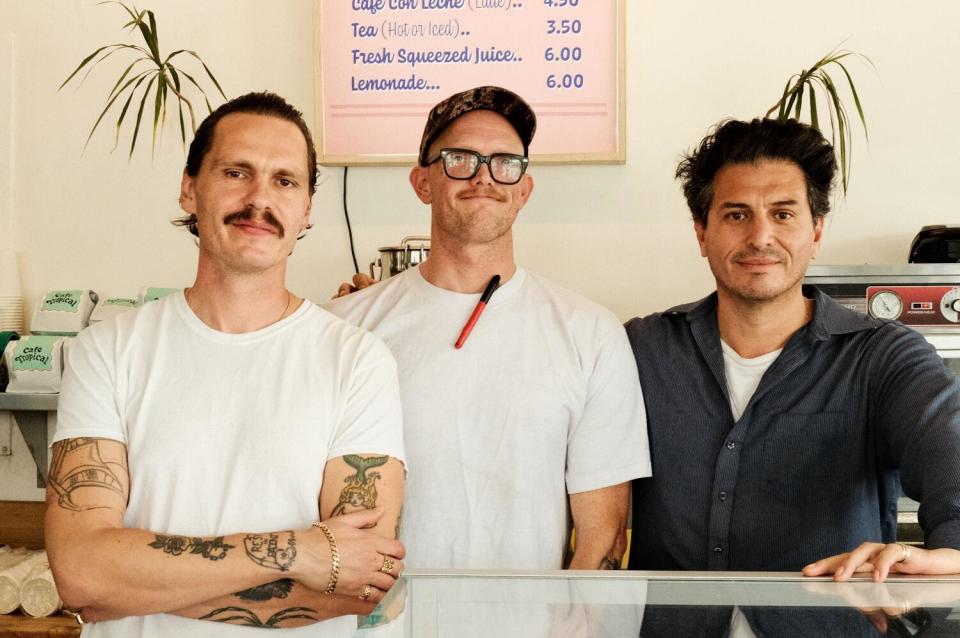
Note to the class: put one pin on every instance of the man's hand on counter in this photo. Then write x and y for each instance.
(883, 559)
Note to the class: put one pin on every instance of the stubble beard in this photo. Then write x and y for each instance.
(469, 232)
(477, 226)
(758, 292)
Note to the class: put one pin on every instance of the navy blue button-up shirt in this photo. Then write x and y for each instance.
(810, 469)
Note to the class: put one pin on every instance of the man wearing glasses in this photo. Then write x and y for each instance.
(540, 412)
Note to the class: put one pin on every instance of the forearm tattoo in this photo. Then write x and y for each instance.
(213, 549)
(361, 490)
(241, 616)
(274, 551)
(87, 469)
(609, 562)
(277, 589)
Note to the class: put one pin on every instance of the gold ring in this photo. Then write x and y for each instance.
(387, 567)
(904, 553)
(367, 590)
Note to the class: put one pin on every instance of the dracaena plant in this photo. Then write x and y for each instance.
(150, 76)
(815, 80)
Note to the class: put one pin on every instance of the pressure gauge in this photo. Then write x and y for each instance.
(886, 304)
(950, 306)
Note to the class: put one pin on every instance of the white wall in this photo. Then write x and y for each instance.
(619, 234)
(6, 141)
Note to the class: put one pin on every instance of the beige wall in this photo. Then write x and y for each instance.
(618, 234)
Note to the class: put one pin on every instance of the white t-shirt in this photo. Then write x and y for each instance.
(743, 376)
(543, 399)
(227, 433)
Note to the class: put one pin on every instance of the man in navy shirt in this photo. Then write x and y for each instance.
(779, 420)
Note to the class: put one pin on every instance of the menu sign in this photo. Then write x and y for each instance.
(382, 64)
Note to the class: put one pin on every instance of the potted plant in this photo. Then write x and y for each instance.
(150, 74)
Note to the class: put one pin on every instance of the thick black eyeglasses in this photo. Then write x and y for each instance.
(462, 163)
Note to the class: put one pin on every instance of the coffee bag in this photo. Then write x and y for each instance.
(108, 307)
(63, 312)
(34, 364)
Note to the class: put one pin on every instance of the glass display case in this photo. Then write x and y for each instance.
(612, 604)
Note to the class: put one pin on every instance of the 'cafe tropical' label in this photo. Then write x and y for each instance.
(62, 301)
(121, 301)
(34, 353)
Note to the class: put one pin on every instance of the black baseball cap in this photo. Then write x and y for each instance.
(482, 98)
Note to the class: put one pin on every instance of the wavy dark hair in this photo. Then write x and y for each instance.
(738, 142)
(262, 103)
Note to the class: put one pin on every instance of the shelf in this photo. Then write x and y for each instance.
(17, 625)
(17, 401)
(31, 411)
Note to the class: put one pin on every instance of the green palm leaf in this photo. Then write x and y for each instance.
(152, 32)
(143, 76)
(157, 106)
(176, 84)
(209, 73)
(783, 101)
(818, 79)
(123, 76)
(143, 101)
(103, 57)
(799, 107)
(194, 82)
(843, 129)
(856, 99)
(87, 59)
(104, 112)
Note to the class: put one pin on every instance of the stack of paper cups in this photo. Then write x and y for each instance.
(10, 556)
(12, 579)
(11, 299)
(38, 594)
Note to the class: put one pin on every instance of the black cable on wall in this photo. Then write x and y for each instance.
(346, 215)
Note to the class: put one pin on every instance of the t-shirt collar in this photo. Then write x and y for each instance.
(437, 294)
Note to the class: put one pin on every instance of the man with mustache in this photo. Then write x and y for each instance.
(539, 412)
(779, 419)
(202, 438)
(247, 218)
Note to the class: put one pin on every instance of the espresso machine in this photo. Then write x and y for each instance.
(393, 260)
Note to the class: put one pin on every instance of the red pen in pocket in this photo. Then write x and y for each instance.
(472, 321)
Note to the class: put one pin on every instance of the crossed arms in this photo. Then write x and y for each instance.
(267, 579)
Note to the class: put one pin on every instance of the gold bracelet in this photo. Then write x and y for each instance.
(334, 557)
(74, 614)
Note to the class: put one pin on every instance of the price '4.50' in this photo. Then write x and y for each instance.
(560, 4)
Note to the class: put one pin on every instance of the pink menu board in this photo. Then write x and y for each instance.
(382, 64)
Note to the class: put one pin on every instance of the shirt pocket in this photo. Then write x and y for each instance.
(808, 459)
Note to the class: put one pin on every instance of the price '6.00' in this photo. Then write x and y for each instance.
(565, 81)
